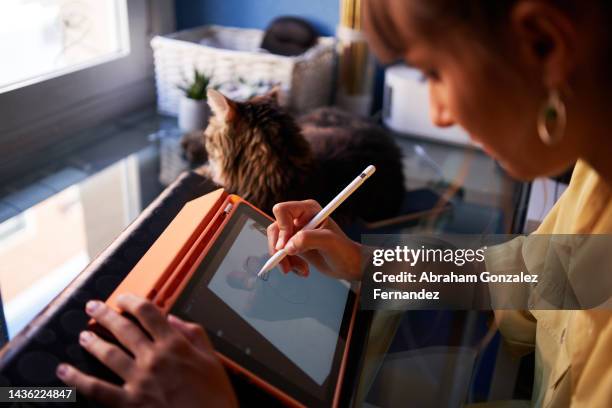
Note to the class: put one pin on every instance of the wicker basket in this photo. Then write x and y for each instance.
(230, 54)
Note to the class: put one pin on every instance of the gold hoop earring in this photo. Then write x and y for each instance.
(552, 119)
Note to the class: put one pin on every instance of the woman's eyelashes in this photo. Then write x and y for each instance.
(429, 75)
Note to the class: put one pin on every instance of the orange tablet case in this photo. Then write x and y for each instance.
(168, 265)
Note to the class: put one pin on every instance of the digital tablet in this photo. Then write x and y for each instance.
(287, 333)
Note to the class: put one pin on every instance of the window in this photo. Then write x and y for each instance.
(73, 64)
(48, 38)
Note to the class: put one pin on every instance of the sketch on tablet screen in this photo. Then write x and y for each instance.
(285, 307)
(246, 279)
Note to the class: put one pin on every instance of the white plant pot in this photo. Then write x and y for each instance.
(193, 114)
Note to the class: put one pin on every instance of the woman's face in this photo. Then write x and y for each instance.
(495, 100)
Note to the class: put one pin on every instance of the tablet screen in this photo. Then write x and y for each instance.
(287, 329)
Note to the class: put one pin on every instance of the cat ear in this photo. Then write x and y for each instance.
(274, 95)
(220, 105)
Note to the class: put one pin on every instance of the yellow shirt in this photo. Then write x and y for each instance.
(573, 348)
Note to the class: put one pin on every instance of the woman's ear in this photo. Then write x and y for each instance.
(546, 40)
(220, 105)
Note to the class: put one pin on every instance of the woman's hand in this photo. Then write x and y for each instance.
(173, 363)
(327, 248)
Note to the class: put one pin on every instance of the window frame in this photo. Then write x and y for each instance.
(38, 122)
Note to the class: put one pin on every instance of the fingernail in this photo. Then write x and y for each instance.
(62, 370)
(279, 244)
(290, 248)
(85, 337)
(92, 306)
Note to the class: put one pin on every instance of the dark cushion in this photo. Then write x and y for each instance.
(289, 36)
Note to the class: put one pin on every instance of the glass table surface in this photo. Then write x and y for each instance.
(52, 229)
(442, 358)
(53, 225)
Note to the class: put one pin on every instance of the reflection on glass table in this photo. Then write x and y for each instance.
(441, 358)
(46, 246)
(487, 198)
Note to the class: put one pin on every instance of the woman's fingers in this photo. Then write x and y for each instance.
(284, 222)
(272, 233)
(108, 394)
(285, 265)
(290, 213)
(124, 330)
(298, 265)
(108, 354)
(149, 316)
(192, 332)
(317, 260)
(323, 240)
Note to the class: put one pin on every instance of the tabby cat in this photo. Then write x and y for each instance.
(260, 152)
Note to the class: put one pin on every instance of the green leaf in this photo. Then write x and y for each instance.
(196, 89)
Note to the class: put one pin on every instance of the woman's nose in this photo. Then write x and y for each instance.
(439, 114)
(441, 118)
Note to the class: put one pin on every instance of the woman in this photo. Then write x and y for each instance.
(529, 81)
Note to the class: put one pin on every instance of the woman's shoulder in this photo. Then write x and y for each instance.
(584, 208)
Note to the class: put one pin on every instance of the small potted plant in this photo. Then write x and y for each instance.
(193, 108)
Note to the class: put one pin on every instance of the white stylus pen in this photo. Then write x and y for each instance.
(322, 215)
